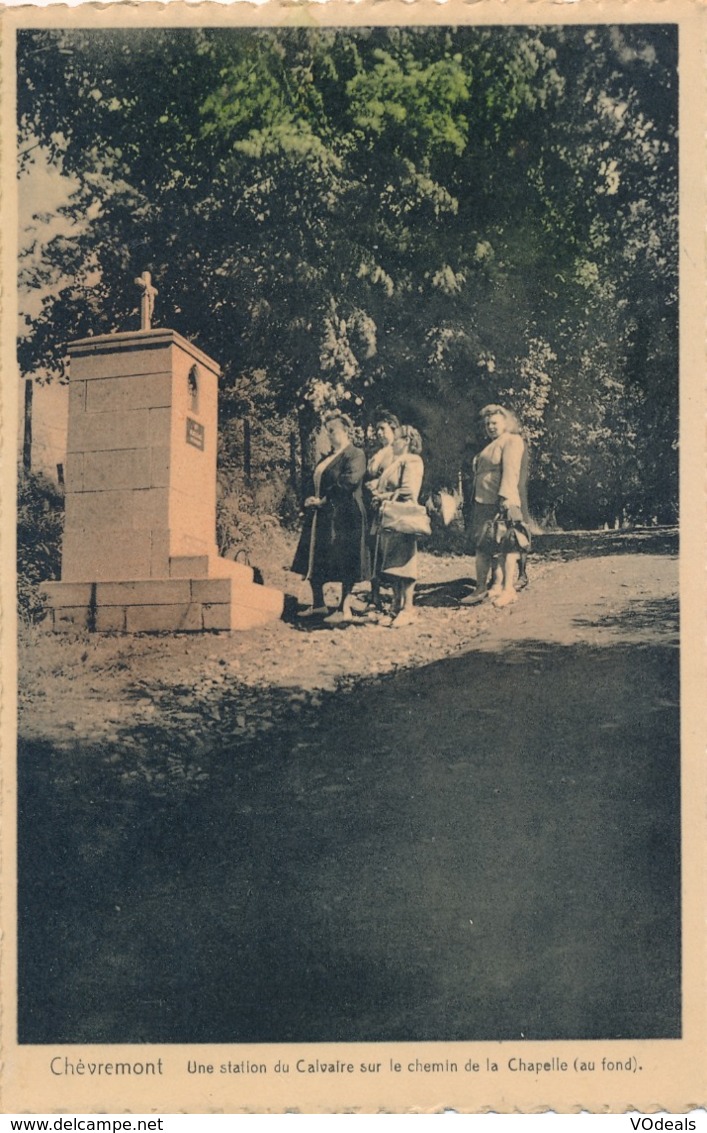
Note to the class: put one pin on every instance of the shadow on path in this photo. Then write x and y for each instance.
(485, 848)
(443, 593)
(593, 544)
(639, 615)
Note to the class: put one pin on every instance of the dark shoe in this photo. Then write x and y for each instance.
(404, 618)
(474, 599)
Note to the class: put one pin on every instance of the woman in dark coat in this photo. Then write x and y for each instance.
(333, 546)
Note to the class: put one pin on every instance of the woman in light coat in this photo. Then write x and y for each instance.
(395, 554)
(500, 477)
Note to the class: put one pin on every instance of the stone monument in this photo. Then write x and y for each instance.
(139, 550)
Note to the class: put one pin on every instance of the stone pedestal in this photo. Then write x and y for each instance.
(139, 549)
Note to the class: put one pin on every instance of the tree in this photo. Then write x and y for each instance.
(434, 218)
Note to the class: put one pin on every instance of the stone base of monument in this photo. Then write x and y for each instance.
(202, 593)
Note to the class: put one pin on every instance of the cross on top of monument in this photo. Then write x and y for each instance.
(147, 299)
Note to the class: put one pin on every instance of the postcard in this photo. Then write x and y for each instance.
(353, 690)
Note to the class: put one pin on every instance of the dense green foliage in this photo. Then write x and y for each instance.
(40, 520)
(427, 218)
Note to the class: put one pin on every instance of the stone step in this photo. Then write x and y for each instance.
(228, 568)
(162, 605)
(208, 566)
(249, 606)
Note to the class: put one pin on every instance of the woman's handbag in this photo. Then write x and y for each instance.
(405, 517)
(505, 533)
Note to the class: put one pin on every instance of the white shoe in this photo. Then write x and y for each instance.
(505, 598)
(313, 612)
(349, 610)
(338, 618)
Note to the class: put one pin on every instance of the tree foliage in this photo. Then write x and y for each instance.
(40, 519)
(430, 218)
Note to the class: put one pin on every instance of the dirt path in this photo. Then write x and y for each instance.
(96, 687)
(467, 829)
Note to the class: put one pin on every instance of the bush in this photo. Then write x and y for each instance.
(40, 523)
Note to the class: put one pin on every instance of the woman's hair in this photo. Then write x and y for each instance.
(513, 422)
(336, 415)
(412, 437)
(383, 417)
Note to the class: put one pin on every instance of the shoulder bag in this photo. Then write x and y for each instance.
(405, 516)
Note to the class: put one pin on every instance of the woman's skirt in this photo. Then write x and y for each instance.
(396, 555)
(333, 546)
(482, 519)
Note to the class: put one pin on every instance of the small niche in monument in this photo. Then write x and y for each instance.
(193, 385)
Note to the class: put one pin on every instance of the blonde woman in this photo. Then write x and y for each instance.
(499, 473)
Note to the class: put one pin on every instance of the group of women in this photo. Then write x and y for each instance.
(349, 538)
